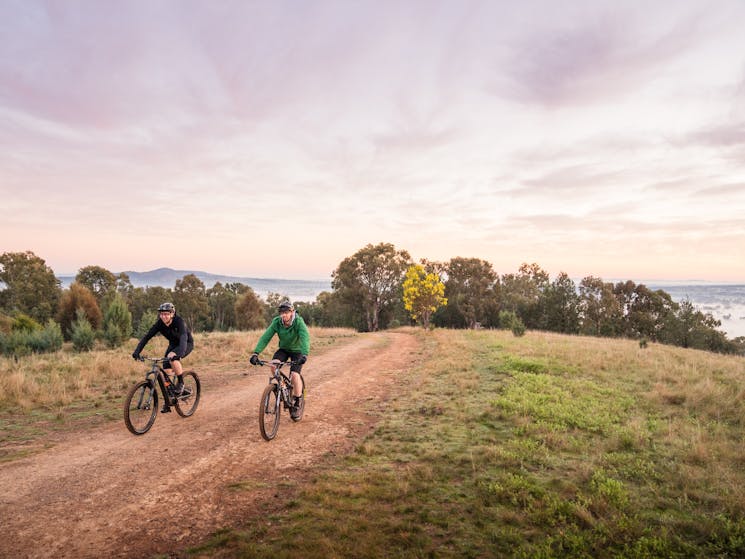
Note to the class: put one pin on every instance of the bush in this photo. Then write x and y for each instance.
(23, 342)
(24, 323)
(113, 335)
(15, 344)
(83, 334)
(518, 327)
(506, 319)
(49, 339)
(117, 322)
(146, 321)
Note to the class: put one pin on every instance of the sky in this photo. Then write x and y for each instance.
(276, 138)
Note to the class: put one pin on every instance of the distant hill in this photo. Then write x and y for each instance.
(297, 290)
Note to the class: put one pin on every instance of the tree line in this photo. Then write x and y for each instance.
(376, 288)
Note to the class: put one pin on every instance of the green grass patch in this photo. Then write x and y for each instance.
(543, 446)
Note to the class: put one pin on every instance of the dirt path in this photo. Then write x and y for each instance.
(101, 493)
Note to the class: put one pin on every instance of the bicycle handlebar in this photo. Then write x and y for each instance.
(153, 359)
(263, 362)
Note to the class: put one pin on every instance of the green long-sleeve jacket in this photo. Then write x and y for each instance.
(295, 337)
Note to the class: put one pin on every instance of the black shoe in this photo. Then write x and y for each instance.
(295, 409)
(165, 410)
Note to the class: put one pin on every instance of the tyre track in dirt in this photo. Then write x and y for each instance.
(106, 492)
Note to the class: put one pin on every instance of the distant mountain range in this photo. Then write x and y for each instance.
(297, 290)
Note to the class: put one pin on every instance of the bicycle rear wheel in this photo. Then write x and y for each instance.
(269, 412)
(186, 404)
(141, 407)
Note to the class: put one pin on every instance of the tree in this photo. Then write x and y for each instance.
(82, 333)
(222, 306)
(191, 302)
(523, 293)
(471, 291)
(99, 281)
(78, 297)
(561, 306)
(644, 311)
(117, 321)
(600, 311)
(28, 285)
(249, 311)
(423, 294)
(144, 301)
(370, 280)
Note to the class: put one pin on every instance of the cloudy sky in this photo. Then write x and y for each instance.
(276, 138)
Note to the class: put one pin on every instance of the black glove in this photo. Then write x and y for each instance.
(254, 359)
(302, 359)
(136, 356)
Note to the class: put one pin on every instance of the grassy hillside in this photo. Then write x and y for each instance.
(535, 447)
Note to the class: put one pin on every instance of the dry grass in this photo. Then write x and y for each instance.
(67, 377)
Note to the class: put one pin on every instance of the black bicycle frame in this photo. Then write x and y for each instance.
(284, 386)
(157, 373)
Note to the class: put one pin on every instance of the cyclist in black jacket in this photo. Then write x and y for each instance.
(180, 341)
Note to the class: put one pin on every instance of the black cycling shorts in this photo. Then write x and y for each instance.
(284, 355)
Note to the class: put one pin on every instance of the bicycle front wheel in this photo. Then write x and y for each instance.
(186, 404)
(269, 412)
(141, 407)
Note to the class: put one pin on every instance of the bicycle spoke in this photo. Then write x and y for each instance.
(269, 412)
(186, 404)
(140, 407)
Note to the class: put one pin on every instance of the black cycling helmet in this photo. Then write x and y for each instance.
(167, 307)
(284, 306)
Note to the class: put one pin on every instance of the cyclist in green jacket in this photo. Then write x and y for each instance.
(294, 344)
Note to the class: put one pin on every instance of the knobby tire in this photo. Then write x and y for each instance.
(269, 412)
(188, 405)
(141, 407)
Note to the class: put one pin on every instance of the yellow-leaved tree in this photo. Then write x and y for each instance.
(423, 294)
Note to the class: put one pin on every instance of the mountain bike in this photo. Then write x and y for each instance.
(141, 404)
(278, 396)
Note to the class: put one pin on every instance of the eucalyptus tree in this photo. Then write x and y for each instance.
(369, 282)
(560, 306)
(192, 304)
(472, 292)
(221, 301)
(99, 281)
(600, 311)
(249, 311)
(28, 285)
(523, 292)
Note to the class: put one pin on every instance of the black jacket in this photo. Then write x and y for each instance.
(178, 335)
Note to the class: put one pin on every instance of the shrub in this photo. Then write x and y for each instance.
(113, 335)
(24, 323)
(50, 339)
(510, 321)
(83, 335)
(146, 321)
(506, 318)
(117, 322)
(24, 342)
(518, 327)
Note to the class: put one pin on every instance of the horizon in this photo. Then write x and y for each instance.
(650, 281)
(272, 140)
